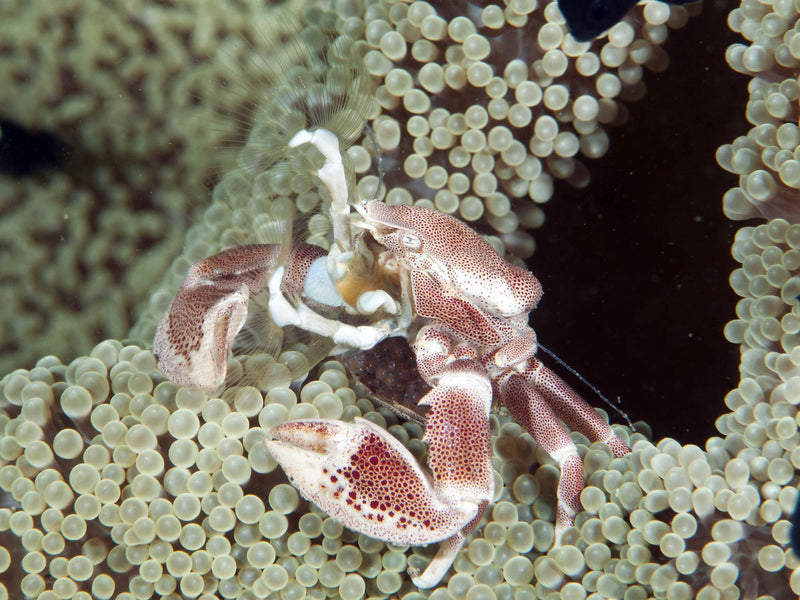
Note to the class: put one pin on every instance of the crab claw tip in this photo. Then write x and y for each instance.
(316, 436)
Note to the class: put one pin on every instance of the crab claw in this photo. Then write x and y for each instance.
(364, 477)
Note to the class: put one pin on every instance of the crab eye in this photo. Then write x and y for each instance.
(411, 242)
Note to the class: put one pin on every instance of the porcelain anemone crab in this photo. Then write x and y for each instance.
(412, 272)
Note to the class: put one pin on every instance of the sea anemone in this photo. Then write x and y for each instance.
(117, 483)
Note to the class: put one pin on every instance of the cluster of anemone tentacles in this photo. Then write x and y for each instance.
(118, 484)
(133, 89)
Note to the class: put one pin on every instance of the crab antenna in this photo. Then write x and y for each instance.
(378, 158)
(588, 384)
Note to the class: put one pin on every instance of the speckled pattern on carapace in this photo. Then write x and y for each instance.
(469, 261)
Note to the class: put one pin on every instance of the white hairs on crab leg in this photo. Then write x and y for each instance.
(283, 314)
(333, 176)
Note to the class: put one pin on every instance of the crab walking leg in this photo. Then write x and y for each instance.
(529, 408)
(194, 337)
(571, 408)
(447, 553)
(457, 432)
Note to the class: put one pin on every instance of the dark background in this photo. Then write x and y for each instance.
(635, 267)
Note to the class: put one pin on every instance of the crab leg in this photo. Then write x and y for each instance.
(439, 363)
(284, 313)
(573, 409)
(539, 400)
(531, 410)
